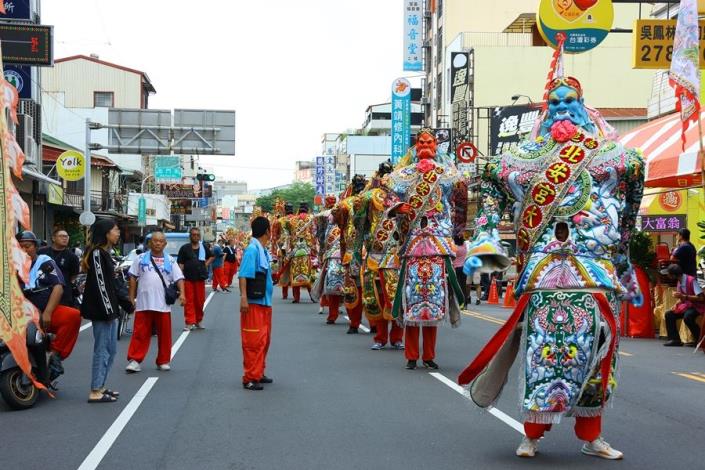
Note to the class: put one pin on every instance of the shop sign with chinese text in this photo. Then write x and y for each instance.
(509, 125)
(585, 23)
(653, 43)
(401, 118)
(663, 223)
(413, 35)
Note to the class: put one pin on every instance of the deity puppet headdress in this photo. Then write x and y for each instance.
(556, 77)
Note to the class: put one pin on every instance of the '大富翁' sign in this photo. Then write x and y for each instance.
(663, 223)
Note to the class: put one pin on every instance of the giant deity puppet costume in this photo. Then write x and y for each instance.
(302, 245)
(281, 241)
(350, 249)
(430, 207)
(574, 193)
(330, 282)
(381, 263)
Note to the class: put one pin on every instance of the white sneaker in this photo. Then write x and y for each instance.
(528, 447)
(600, 448)
(164, 367)
(189, 327)
(132, 367)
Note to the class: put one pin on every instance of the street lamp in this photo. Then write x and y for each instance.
(515, 98)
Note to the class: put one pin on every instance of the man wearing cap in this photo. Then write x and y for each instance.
(44, 289)
(691, 304)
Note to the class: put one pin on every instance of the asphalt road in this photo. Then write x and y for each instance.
(336, 404)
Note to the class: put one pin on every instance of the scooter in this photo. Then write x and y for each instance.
(16, 389)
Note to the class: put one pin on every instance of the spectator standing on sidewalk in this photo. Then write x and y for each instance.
(100, 305)
(194, 259)
(147, 294)
(255, 279)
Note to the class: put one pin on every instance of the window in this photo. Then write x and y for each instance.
(103, 99)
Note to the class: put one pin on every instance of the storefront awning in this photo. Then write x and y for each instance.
(668, 166)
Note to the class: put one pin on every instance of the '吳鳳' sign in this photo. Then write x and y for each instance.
(653, 43)
(663, 223)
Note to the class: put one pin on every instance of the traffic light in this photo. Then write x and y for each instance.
(205, 177)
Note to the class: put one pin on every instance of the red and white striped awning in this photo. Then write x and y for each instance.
(668, 166)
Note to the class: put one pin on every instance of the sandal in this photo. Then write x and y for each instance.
(105, 398)
(112, 393)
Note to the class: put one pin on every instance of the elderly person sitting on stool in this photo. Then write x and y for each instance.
(691, 304)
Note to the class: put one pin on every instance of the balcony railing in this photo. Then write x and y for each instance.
(101, 201)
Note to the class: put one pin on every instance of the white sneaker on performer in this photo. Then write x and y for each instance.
(528, 447)
(600, 448)
(132, 367)
(164, 367)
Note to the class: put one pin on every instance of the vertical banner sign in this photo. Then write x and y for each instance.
(401, 118)
(142, 211)
(320, 176)
(413, 35)
(330, 174)
(459, 79)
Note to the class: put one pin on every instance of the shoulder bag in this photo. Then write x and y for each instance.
(171, 293)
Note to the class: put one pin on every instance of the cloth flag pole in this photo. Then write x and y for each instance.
(684, 75)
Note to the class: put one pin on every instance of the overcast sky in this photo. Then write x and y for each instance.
(291, 69)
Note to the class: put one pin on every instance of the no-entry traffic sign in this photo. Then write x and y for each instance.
(466, 152)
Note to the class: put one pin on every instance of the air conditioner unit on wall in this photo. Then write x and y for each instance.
(24, 133)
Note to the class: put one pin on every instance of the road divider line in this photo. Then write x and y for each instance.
(483, 317)
(362, 327)
(101, 449)
(625, 354)
(696, 378)
(497, 413)
(85, 326)
(208, 300)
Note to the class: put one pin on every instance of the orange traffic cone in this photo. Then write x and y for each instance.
(509, 300)
(493, 298)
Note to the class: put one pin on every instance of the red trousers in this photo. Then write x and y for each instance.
(231, 268)
(219, 277)
(586, 429)
(195, 298)
(355, 314)
(383, 334)
(285, 292)
(297, 292)
(333, 307)
(142, 335)
(65, 324)
(411, 343)
(255, 331)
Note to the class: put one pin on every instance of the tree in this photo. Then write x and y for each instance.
(294, 194)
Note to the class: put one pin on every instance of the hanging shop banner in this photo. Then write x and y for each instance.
(663, 223)
(444, 137)
(509, 125)
(653, 43)
(71, 165)
(20, 77)
(167, 168)
(413, 35)
(401, 118)
(319, 178)
(182, 191)
(585, 23)
(330, 174)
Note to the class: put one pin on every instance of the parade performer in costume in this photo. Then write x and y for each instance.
(380, 267)
(280, 242)
(329, 285)
(301, 248)
(350, 249)
(431, 201)
(575, 192)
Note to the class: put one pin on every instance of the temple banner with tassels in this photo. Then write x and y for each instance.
(15, 311)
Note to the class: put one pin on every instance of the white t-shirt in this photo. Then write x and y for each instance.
(150, 291)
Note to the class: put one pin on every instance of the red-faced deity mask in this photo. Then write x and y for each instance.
(330, 202)
(426, 146)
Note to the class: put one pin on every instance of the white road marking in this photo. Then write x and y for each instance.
(101, 449)
(86, 326)
(499, 414)
(106, 442)
(362, 327)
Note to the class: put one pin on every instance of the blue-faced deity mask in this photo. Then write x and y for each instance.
(566, 103)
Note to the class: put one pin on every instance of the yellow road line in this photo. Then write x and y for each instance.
(699, 374)
(483, 317)
(697, 378)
